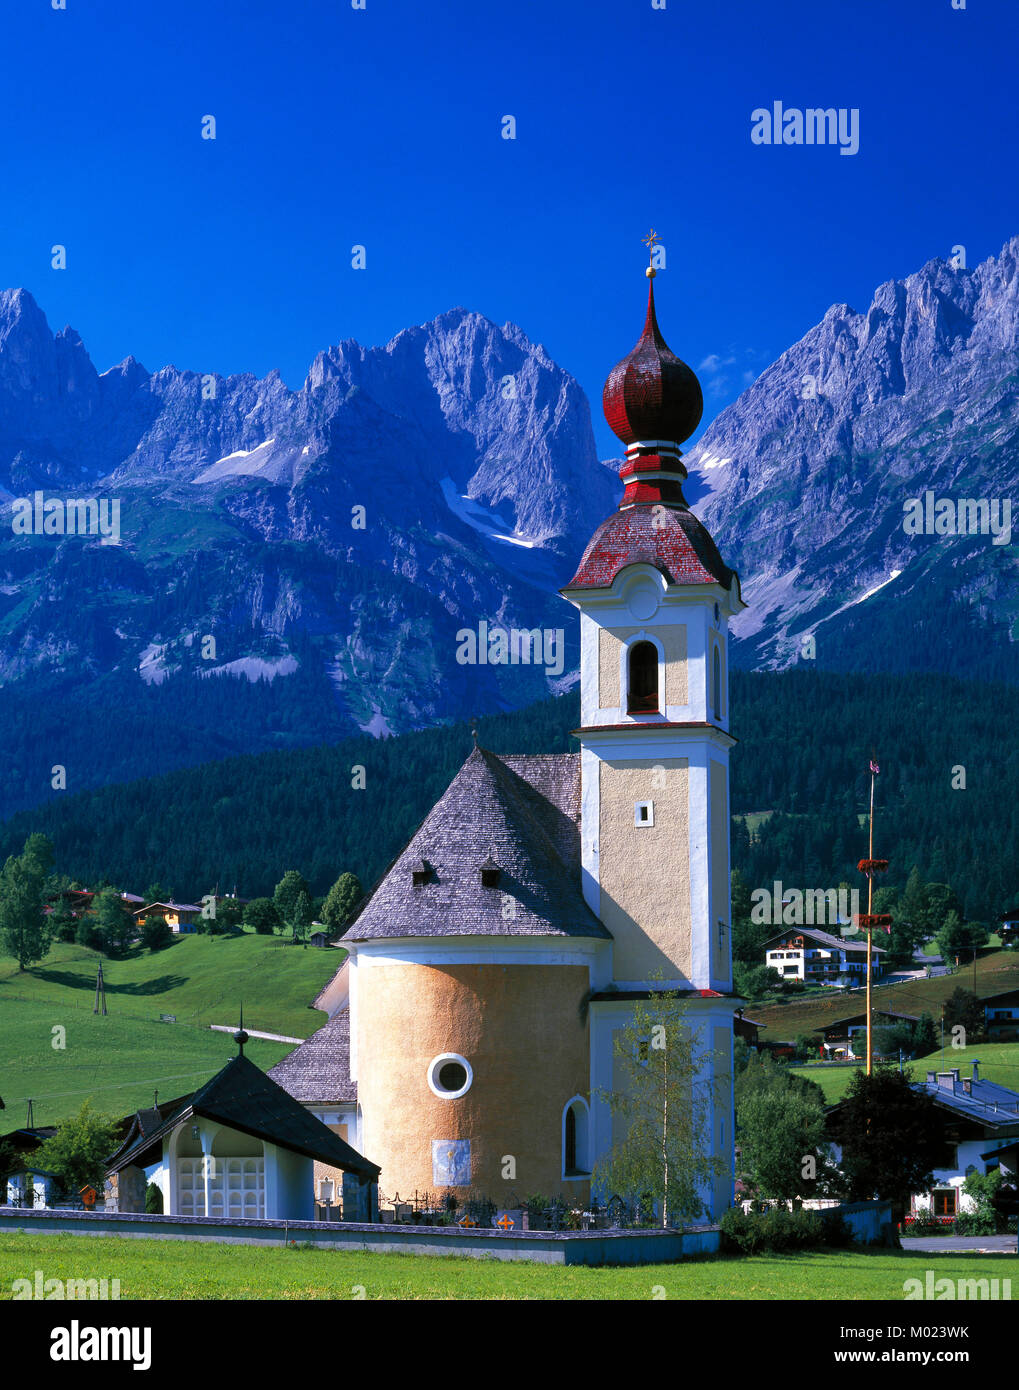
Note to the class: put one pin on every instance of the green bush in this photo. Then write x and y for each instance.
(153, 1200)
(975, 1223)
(778, 1229)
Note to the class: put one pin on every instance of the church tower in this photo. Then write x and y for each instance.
(655, 601)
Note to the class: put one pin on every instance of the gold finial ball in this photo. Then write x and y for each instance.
(650, 272)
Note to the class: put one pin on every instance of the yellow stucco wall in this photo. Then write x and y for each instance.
(644, 872)
(719, 868)
(524, 1032)
(611, 639)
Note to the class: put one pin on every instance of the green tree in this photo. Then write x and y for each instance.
(940, 901)
(304, 915)
(285, 897)
(62, 922)
(963, 1009)
(85, 933)
(261, 914)
(156, 893)
(983, 1188)
(114, 927)
(957, 938)
(892, 1038)
(156, 934)
(79, 1150)
(39, 852)
(925, 1036)
(292, 900)
(342, 898)
(229, 914)
(891, 1138)
(912, 906)
(23, 927)
(781, 1129)
(659, 1113)
(755, 981)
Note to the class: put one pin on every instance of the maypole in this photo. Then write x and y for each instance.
(871, 866)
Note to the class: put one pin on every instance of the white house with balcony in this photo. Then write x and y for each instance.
(819, 958)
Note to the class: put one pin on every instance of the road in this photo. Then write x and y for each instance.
(984, 1245)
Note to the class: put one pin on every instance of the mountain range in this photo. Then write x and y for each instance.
(324, 546)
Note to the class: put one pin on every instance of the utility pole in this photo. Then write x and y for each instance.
(871, 866)
(99, 1007)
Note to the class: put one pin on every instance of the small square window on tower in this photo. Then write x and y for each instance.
(643, 813)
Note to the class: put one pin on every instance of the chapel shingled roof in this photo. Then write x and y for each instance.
(319, 1070)
(242, 1097)
(524, 813)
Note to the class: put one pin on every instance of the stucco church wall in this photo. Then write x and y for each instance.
(524, 1031)
(611, 639)
(645, 871)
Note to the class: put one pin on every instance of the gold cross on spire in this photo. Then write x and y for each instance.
(650, 241)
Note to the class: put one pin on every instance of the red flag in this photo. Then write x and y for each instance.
(874, 767)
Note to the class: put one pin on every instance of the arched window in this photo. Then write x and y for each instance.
(716, 684)
(642, 683)
(576, 1142)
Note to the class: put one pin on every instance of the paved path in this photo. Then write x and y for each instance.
(996, 1245)
(253, 1033)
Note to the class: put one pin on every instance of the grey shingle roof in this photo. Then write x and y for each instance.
(319, 1070)
(524, 813)
(242, 1097)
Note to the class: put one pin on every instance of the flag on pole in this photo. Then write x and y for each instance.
(874, 767)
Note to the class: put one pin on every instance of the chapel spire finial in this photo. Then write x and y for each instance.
(650, 241)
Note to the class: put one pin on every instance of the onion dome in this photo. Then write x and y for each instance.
(652, 401)
(652, 394)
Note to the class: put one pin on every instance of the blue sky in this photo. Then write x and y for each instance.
(382, 127)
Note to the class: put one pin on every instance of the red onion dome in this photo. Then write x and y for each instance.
(651, 393)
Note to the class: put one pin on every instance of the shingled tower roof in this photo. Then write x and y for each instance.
(522, 813)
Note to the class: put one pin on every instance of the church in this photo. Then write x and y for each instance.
(471, 1033)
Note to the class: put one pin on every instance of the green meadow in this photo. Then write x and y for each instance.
(170, 1269)
(998, 1062)
(121, 1059)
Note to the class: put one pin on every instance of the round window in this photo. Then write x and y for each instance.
(450, 1075)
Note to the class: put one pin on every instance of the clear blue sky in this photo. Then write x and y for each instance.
(382, 127)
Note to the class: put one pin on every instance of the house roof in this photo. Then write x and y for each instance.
(825, 938)
(242, 1097)
(1006, 995)
(855, 1018)
(523, 812)
(986, 1101)
(319, 1070)
(172, 907)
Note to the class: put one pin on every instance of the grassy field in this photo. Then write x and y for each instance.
(183, 1270)
(998, 1062)
(996, 970)
(119, 1060)
(201, 979)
